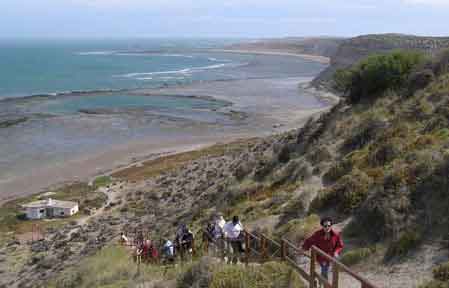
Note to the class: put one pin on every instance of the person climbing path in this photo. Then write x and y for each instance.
(327, 240)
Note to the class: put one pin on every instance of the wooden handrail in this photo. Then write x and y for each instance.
(365, 283)
(259, 246)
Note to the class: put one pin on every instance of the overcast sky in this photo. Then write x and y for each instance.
(220, 18)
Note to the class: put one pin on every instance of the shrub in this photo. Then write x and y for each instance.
(363, 134)
(102, 181)
(441, 275)
(197, 275)
(385, 152)
(435, 284)
(356, 256)
(299, 229)
(268, 275)
(406, 242)
(377, 74)
(419, 80)
(338, 170)
(441, 272)
(346, 195)
(441, 63)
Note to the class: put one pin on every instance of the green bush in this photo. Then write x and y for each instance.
(102, 181)
(441, 63)
(377, 74)
(346, 195)
(435, 284)
(338, 170)
(357, 255)
(406, 242)
(441, 272)
(298, 229)
(268, 275)
(441, 276)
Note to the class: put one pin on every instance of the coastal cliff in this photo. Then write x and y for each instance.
(317, 46)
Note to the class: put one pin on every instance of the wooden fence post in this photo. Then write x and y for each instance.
(264, 247)
(334, 275)
(247, 248)
(283, 250)
(312, 268)
(206, 246)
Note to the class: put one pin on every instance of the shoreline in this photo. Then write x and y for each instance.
(316, 58)
(132, 155)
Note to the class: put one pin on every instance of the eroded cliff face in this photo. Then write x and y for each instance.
(355, 49)
(319, 46)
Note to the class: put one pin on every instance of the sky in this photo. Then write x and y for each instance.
(220, 18)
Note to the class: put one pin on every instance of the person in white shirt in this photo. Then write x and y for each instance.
(124, 239)
(218, 236)
(218, 227)
(233, 233)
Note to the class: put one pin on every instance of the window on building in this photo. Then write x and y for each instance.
(42, 211)
(62, 213)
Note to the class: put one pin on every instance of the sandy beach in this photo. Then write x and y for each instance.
(320, 59)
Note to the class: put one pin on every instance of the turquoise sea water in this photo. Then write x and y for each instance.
(29, 67)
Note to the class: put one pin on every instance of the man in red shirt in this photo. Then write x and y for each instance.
(327, 240)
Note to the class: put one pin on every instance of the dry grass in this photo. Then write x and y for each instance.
(169, 163)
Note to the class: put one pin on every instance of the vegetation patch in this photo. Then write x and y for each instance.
(346, 195)
(164, 164)
(356, 256)
(376, 74)
(406, 242)
(102, 181)
(110, 267)
(297, 230)
(441, 277)
(210, 273)
(441, 272)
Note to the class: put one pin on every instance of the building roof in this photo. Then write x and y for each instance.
(50, 203)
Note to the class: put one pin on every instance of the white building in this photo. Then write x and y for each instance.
(50, 209)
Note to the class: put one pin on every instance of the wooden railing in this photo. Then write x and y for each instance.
(260, 248)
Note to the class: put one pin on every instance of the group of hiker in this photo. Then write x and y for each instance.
(226, 239)
(225, 236)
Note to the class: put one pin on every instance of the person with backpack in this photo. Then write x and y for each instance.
(233, 233)
(208, 236)
(184, 240)
(327, 240)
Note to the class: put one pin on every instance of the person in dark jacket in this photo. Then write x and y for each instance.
(327, 240)
(184, 240)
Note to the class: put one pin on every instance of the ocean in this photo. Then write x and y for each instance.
(61, 100)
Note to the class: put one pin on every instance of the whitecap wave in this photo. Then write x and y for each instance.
(186, 71)
(178, 55)
(218, 60)
(95, 53)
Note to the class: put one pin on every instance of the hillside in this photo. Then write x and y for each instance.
(352, 50)
(318, 46)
